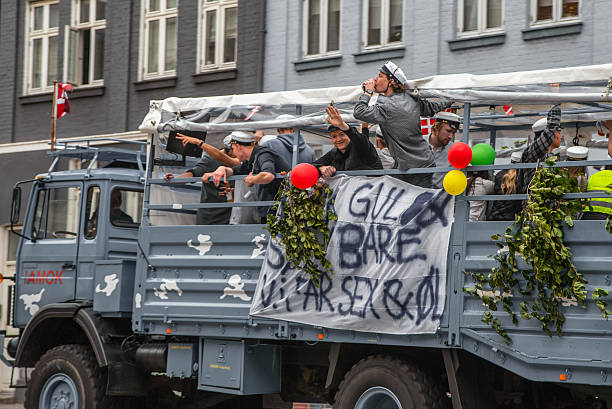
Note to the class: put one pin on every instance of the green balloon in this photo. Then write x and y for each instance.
(482, 154)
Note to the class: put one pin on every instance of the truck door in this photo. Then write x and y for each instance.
(46, 263)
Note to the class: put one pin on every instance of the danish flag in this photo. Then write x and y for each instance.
(62, 105)
(426, 124)
(508, 110)
(253, 112)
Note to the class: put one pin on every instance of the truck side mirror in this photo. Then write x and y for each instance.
(16, 205)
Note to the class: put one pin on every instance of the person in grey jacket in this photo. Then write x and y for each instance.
(283, 144)
(398, 114)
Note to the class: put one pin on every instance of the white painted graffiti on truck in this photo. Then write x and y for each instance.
(111, 281)
(165, 287)
(31, 301)
(203, 246)
(235, 289)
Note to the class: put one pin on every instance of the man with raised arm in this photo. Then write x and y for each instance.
(398, 114)
(352, 149)
(259, 163)
(547, 133)
(210, 194)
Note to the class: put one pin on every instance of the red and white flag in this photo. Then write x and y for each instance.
(508, 110)
(253, 112)
(426, 124)
(62, 105)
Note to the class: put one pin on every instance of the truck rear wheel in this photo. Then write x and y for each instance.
(385, 383)
(67, 377)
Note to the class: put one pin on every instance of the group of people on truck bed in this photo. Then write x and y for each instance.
(399, 143)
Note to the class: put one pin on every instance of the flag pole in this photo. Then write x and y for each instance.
(53, 114)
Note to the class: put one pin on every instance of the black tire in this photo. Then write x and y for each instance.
(405, 386)
(69, 373)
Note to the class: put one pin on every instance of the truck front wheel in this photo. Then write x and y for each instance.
(67, 377)
(384, 382)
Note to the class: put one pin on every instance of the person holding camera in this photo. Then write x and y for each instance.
(398, 113)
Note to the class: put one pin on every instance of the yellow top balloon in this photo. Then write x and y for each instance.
(455, 182)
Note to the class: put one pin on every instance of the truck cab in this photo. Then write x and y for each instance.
(73, 220)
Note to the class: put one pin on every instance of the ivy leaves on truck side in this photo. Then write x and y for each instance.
(536, 236)
(298, 219)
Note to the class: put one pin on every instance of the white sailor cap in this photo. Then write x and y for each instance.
(516, 157)
(539, 125)
(242, 137)
(227, 141)
(392, 70)
(577, 153)
(448, 118)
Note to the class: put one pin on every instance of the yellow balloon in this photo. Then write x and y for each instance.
(455, 182)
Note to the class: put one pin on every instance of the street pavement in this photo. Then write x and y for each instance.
(11, 406)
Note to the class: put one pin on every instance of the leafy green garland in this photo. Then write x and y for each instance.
(537, 236)
(298, 219)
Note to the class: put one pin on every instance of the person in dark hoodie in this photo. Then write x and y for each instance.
(283, 143)
(352, 149)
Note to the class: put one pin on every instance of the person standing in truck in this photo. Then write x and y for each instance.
(259, 163)
(398, 114)
(283, 143)
(352, 149)
(441, 139)
(210, 194)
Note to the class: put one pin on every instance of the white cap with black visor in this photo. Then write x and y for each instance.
(394, 72)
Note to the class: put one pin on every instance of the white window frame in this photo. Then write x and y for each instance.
(323, 29)
(556, 12)
(384, 28)
(145, 17)
(219, 6)
(92, 25)
(30, 35)
(482, 20)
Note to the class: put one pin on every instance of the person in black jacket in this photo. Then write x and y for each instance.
(258, 162)
(352, 149)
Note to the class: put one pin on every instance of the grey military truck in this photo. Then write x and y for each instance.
(121, 300)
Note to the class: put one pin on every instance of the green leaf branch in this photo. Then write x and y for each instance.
(299, 220)
(536, 236)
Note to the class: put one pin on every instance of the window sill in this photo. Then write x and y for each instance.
(561, 29)
(475, 42)
(218, 75)
(155, 83)
(84, 92)
(318, 63)
(379, 54)
(36, 98)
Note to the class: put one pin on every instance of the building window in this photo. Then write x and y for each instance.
(554, 11)
(84, 64)
(480, 16)
(321, 27)
(218, 34)
(158, 39)
(382, 22)
(42, 21)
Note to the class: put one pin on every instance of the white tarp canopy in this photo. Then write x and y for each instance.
(584, 84)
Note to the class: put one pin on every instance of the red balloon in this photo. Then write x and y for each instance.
(304, 175)
(460, 155)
